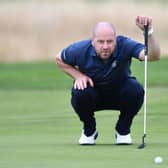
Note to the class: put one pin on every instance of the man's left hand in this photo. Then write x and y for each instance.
(141, 21)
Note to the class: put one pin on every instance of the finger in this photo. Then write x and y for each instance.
(91, 82)
(137, 20)
(84, 84)
(145, 21)
(81, 85)
(150, 22)
(77, 85)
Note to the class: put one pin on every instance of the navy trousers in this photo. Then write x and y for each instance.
(128, 99)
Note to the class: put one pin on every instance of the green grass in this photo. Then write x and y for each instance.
(39, 129)
(157, 74)
(46, 75)
(41, 75)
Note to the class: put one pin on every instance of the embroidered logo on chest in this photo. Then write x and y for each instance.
(114, 64)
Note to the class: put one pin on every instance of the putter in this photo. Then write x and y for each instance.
(141, 146)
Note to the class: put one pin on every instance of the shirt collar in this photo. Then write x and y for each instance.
(93, 52)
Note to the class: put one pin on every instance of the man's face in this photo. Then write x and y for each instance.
(104, 42)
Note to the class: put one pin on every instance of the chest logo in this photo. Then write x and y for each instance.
(114, 64)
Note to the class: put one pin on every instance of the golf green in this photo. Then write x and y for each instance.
(39, 129)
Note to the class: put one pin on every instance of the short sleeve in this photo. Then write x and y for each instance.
(134, 47)
(69, 55)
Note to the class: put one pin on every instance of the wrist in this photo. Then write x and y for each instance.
(150, 31)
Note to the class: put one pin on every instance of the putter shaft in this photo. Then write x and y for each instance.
(145, 85)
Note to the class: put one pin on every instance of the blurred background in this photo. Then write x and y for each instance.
(38, 128)
(38, 29)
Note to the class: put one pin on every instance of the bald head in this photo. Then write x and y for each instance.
(103, 28)
(104, 40)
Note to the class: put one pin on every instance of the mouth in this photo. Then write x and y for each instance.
(106, 53)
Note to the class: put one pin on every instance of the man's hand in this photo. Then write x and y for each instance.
(82, 82)
(153, 44)
(141, 21)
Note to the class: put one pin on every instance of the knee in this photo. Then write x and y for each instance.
(85, 96)
(84, 102)
(133, 90)
(132, 96)
(76, 93)
(137, 92)
(132, 102)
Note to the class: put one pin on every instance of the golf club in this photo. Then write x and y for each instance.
(141, 146)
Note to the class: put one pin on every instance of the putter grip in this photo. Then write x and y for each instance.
(146, 39)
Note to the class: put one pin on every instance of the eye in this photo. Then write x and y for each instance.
(100, 41)
(110, 41)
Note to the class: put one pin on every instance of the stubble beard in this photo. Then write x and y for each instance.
(105, 55)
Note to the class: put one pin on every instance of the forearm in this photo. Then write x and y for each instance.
(153, 44)
(68, 69)
(153, 48)
(81, 80)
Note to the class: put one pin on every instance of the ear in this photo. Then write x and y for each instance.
(92, 41)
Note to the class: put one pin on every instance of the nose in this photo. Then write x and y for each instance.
(105, 45)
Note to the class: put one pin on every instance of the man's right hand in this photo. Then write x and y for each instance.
(82, 81)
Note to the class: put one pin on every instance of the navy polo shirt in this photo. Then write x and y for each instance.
(104, 75)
